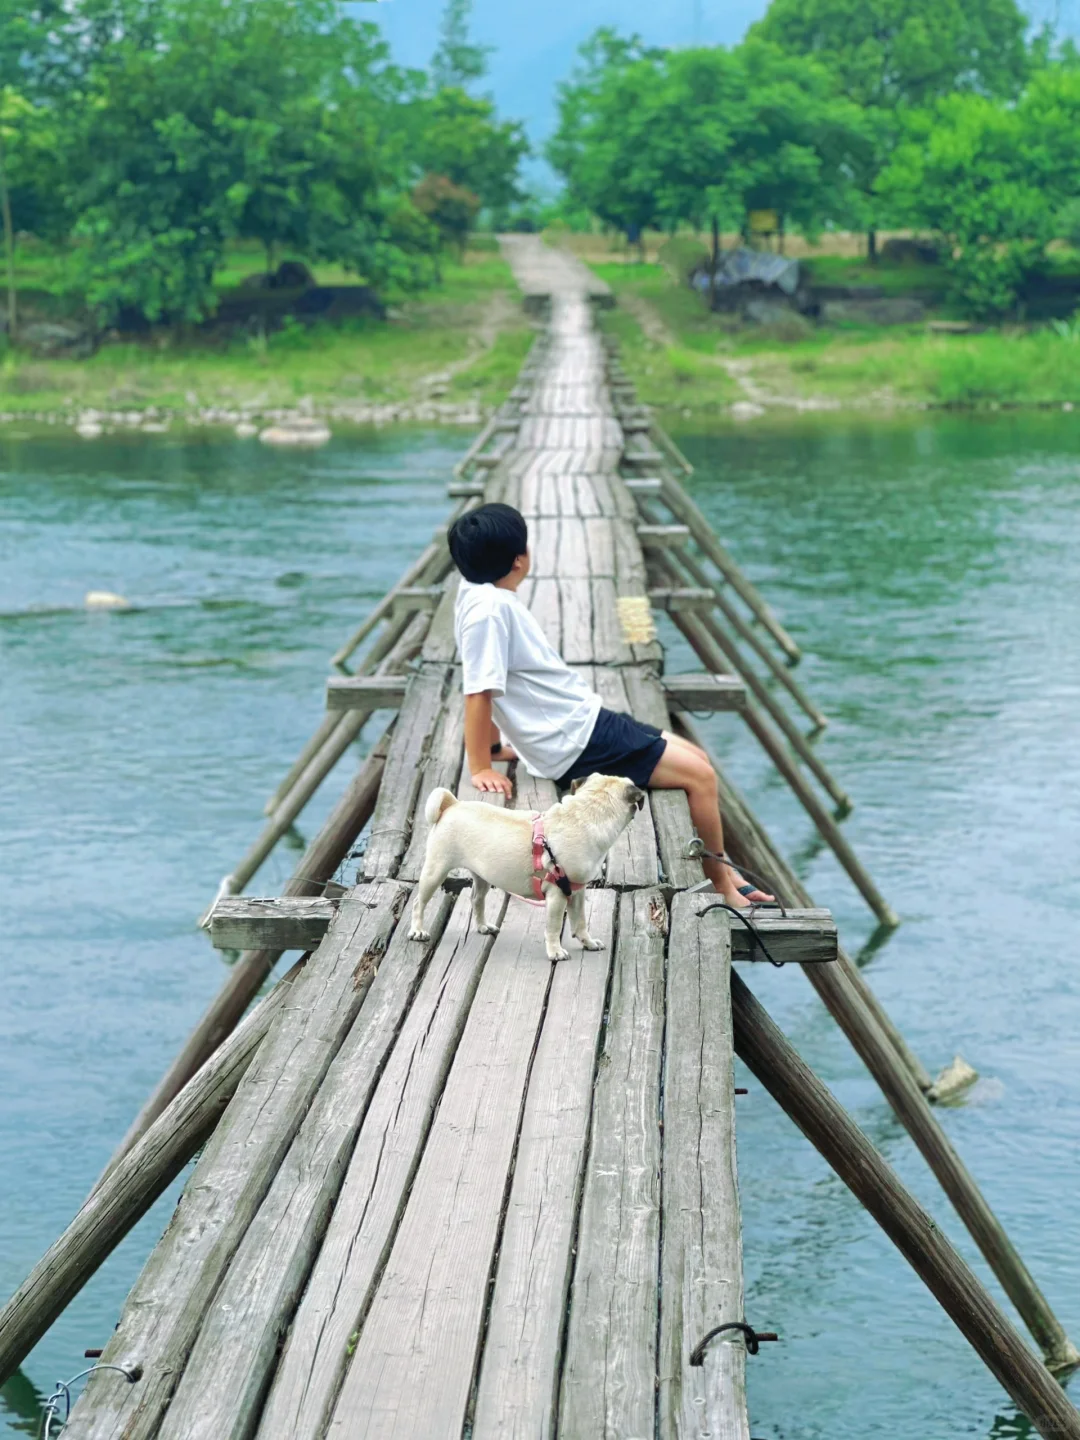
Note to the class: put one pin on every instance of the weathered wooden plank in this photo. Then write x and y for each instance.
(516, 1394)
(685, 597)
(701, 1281)
(296, 922)
(609, 644)
(705, 692)
(223, 1386)
(600, 544)
(545, 605)
(609, 1371)
(163, 1313)
(633, 859)
(439, 643)
(391, 825)
(574, 559)
(442, 767)
(797, 937)
(544, 547)
(670, 810)
(412, 1369)
(575, 605)
(366, 692)
(380, 1172)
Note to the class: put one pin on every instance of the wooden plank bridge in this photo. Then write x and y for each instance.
(450, 1188)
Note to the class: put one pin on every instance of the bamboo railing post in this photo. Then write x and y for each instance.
(131, 1185)
(764, 1048)
(901, 1079)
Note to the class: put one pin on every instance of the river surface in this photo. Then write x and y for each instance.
(930, 570)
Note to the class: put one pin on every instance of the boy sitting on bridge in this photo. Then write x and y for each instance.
(556, 726)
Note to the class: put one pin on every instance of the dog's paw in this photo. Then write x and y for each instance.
(588, 943)
(415, 934)
(487, 929)
(556, 952)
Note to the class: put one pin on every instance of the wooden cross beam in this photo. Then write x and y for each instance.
(662, 537)
(800, 937)
(411, 598)
(643, 457)
(705, 692)
(688, 597)
(465, 490)
(365, 692)
(296, 923)
(644, 485)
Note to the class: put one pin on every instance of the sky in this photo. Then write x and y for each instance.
(535, 43)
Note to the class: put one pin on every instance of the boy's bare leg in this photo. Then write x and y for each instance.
(685, 767)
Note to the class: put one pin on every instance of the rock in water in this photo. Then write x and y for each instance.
(88, 429)
(300, 431)
(105, 600)
(953, 1080)
(245, 430)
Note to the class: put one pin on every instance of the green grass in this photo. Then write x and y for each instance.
(893, 279)
(471, 325)
(679, 356)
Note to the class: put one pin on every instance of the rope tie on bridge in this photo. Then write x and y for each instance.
(753, 1339)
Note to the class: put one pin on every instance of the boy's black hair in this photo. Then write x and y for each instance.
(485, 542)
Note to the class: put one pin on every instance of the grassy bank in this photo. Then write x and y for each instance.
(461, 343)
(689, 362)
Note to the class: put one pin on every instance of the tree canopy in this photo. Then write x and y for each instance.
(163, 130)
(659, 137)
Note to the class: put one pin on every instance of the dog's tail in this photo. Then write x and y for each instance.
(437, 802)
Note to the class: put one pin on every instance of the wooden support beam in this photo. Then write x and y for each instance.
(705, 692)
(365, 692)
(902, 1078)
(769, 1054)
(297, 922)
(643, 485)
(132, 1186)
(652, 458)
(465, 490)
(662, 537)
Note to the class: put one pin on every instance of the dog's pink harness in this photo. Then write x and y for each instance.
(541, 874)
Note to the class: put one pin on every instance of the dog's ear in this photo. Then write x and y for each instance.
(575, 785)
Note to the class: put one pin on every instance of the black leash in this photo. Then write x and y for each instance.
(756, 942)
(753, 1339)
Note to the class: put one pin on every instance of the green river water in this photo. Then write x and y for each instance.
(930, 570)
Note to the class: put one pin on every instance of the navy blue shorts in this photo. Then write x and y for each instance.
(619, 745)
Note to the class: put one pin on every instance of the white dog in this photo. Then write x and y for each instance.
(550, 857)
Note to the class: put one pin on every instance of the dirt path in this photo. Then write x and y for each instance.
(756, 397)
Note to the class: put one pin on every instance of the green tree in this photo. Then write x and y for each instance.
(272, 121)
(991, 180)
(889, 56)
(461, 138)
(651, 137)
(458, 61)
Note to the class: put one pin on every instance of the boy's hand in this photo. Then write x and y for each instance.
(492, 782)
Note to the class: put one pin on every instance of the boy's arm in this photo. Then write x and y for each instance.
(480, 735)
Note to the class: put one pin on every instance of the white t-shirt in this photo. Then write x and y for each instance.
(543, 708)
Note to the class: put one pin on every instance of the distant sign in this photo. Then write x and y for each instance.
(764, 222)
